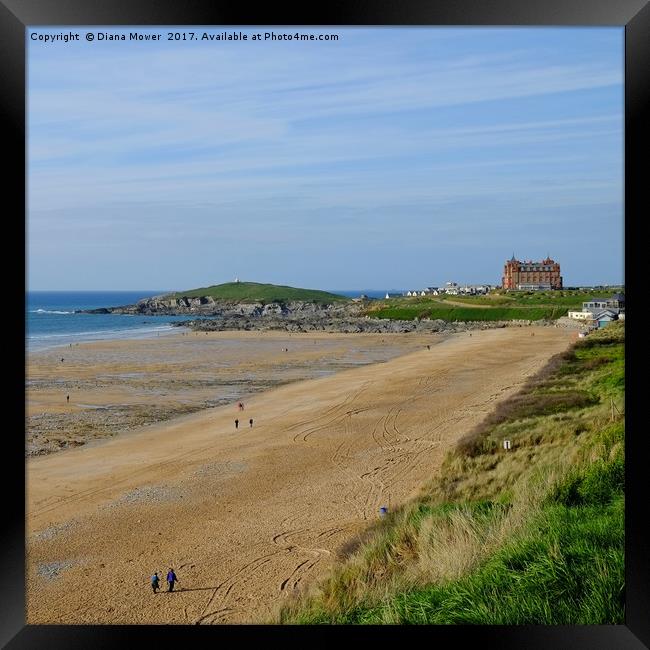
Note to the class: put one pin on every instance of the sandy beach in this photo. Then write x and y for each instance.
(245, 516)
(120, 385)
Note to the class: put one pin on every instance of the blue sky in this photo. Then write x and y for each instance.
(393, 158)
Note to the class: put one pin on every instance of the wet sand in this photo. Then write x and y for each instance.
(247, 516)
(120, 385)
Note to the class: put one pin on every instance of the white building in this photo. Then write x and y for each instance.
(580, 315)
(599, 311)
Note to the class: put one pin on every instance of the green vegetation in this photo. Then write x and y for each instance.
(256, 292)
(570, 299)
(497, 305)
(532, 535)
(450, 313)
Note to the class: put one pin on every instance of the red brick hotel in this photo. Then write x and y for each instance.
(531, 275)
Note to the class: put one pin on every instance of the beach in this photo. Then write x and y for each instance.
(342, 426)
(119, 385)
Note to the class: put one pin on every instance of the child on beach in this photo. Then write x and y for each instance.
(236, 424)
(155, 582)
(251, 422)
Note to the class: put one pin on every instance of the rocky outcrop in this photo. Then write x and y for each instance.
(207, 306)
(327, 323)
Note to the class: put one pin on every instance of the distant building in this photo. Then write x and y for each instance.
(580, 315)
(615, 304)
(601, 311)
(617, 300)
(594, 306)
(605, 318)
(530, 275)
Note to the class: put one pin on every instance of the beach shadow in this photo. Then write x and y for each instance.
(182, 590)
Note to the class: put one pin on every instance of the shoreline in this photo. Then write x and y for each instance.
(129, 334)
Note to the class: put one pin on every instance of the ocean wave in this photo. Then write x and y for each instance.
(49, 311)
(130, 330)
(44, 342)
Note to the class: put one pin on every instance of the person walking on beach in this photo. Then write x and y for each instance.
(236, 424)
(155, 582)
(251, 422)
(67, 399)
(171, 579)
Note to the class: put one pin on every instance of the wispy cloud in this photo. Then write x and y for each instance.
(386, 127)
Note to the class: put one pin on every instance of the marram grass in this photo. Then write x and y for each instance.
(531, 536)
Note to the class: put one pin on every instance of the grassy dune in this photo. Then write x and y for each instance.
(533, 535)
(256, 292)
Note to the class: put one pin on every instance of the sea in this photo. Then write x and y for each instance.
(52, 321)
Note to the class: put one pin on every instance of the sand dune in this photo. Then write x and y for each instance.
(246, 516)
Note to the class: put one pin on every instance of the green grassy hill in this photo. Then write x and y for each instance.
(256, 292)
(533, 535)
(498, 305)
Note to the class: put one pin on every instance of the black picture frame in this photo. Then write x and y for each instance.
(17, 15)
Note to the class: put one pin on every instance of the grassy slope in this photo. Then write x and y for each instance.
(256, 292)
(569, 299)
(534, 535)
(454, 313)
(500, 305)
